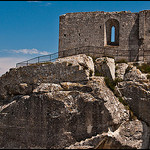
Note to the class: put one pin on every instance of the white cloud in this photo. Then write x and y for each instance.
(30, 51)
(42, 2)
(8, 62)
(44, 53)
(34, 1)
(45, 4)
(48, 3)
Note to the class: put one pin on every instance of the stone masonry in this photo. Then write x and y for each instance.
(90, 33)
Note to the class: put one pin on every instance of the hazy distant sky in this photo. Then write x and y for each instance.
(31, 28)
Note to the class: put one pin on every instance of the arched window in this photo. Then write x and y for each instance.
(111, 32)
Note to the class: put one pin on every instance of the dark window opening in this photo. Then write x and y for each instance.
(65, 35)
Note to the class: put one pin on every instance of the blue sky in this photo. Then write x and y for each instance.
(31, 28)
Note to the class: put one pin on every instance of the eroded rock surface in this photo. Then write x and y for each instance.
(120, 70)
(82, 60)
(134, 74)
(59, 118)
(137, 95)
(62, 105)
(130, 135)
(47, 87)
(22, 80)
(106, 67)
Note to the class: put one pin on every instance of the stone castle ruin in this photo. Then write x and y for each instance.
(90, 33)
(77, 102)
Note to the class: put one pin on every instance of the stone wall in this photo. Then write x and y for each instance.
(144, 31)
(89, 32)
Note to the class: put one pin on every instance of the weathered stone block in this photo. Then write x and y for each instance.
(120, 70)
(106, 67)
(134, 74)
(130, 135)
(137, 96)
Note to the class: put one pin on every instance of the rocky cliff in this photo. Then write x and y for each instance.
(68, 104)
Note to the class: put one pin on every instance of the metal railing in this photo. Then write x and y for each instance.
(88, 50)
(39, 59)
(54, 56)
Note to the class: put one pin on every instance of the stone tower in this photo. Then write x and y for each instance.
(91, 33)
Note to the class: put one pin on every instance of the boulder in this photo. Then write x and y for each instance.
(134, 74)
(106, 67)
(137, 96)
(120, 70)
(130, 135)
(116, 109)
(81, 59)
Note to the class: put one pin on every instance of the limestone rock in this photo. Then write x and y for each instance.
(134, 134)
(79, 147)
(130, 135)
(137, 95)
(59, 118)
(120, 70)
(134, 74)
(106, 67)
(62, 70)
(75, 86)
(116, 109)
(22, 89)
(81, 59)
(61, 105)
(47, 87)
